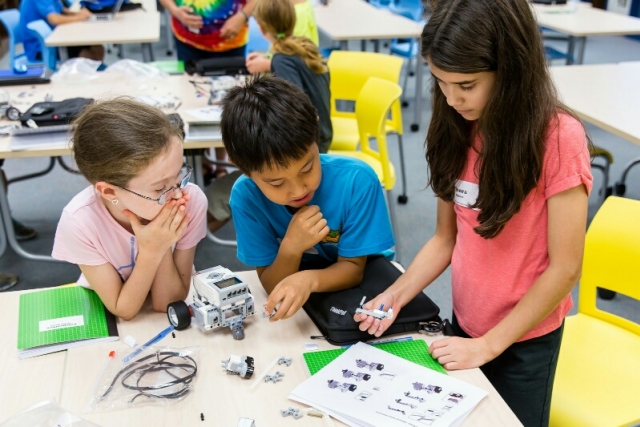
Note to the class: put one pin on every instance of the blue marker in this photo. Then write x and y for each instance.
(381, 307)
(149, 343)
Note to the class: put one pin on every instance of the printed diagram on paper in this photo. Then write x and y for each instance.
(368, 387)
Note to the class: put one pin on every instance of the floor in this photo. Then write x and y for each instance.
(38, 202)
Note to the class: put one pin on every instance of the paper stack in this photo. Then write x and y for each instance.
(366, 386)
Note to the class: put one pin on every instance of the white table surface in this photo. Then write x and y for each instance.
(586, 21)
(606, 95)
(222, 398)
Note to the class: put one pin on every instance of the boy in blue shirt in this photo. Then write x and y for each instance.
(295, 209)
(54, 13)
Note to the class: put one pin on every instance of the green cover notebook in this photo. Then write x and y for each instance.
(415, 351)
(60, 318)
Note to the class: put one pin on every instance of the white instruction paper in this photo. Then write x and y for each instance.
(207, 114)
(366, 386)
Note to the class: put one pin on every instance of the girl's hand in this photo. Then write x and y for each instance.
(164, 230)
(233, 25)
(258, 63)
(462, 353)
(185, 15)
(291, 293)
(371, 324)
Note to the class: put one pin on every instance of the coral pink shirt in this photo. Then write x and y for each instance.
(88, 234)
(490, 276)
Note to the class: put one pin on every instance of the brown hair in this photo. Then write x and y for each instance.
(278, 18)
(115, 140)
(502, 36)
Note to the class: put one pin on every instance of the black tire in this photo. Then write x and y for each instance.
(179, 315)
(606, 294)
(403, 199)
(13, 114)
(352, 387)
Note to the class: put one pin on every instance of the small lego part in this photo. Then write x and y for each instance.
(418, 398)
(239, 365)
(428, 388)
(358, 377)
(284, 361)
(269, 316)
(246, 422)
(342, 387)
(173, 334)
(375, 313)
(201, 416)
(274, 378)
(397, 410)
(373, 366)
(295, 413)
(400, 402)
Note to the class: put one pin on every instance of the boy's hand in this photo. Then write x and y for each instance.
(306, 229)
(291, 293)
(83, 14)
(258, 63)
(185, 15)
(371, 324)
(164, 230)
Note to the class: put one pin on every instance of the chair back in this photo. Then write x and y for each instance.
(612, 258)
(42, 30)
(350, 71)
(10, 18)
(372, 108)
(411, 9)
(257, 42)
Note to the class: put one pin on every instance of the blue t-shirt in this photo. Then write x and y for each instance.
(350, 198)
(32, 10)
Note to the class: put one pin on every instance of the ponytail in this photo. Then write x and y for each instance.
(305, 49)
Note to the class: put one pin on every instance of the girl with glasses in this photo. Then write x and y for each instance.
(133, 232)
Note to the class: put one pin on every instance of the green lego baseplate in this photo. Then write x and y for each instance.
(415, 351)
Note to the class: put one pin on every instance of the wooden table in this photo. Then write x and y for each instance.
(135, 26)
(606, 95)
(222, 398)
(584, 21)
(344, 20)
(103, 88)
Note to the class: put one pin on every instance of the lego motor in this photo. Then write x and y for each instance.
(239, 365)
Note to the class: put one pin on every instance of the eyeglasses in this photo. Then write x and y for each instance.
(185, 173)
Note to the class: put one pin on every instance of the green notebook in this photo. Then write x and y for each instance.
(415, 351)
(60, 318)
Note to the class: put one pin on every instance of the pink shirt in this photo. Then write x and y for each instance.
(88, 234)
(490, 276)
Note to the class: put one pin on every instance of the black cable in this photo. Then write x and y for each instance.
(138, 369)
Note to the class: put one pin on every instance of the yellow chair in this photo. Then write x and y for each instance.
(597, 381)
(372, 107)
(349, 72)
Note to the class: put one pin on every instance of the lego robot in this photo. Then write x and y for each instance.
(373, 366)
(428, 388)
(358, 377)
(219, 299)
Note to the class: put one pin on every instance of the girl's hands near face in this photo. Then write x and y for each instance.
(164, 230)
(371, 324)
(461, 353)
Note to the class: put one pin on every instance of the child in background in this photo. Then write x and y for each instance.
(295, 59)
(295, 208)
(133, 231)
(510, 166)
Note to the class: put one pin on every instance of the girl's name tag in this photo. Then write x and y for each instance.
(466, 193)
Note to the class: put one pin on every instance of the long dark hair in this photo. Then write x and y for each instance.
(472, 36)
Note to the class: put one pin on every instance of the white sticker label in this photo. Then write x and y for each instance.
(466, 193)
(62, 322)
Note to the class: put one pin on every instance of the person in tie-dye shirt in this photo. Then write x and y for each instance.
(209, 28)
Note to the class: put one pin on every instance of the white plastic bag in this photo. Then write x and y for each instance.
(46, 414)
(133, 70)
(77, 70)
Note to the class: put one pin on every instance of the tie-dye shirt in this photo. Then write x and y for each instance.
(214, 14)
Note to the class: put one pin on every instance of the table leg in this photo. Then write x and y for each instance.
(376, 46)
(571, 50)
(147, 52)
(8, 227)
(419, 77)
(64, 53)
(363, 45)
(344, 44)
(195, 160)
(583, 43)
